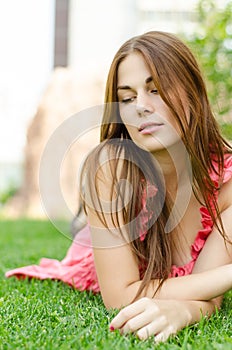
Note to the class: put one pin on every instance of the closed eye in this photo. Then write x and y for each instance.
(154, 91)
(128, 100)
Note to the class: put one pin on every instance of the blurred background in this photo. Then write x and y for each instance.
(55, 55)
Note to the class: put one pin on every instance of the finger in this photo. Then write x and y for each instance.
(140, 321)
(156, 326)
(128, 312)
(165, 334)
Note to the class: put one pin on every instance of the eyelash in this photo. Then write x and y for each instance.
(128, 100)
(131, 99)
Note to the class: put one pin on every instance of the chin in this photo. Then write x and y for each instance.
(151, 146)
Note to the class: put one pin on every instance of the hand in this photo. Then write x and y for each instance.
(147, 317)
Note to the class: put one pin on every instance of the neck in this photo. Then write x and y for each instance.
(175, 167)
(176, 171)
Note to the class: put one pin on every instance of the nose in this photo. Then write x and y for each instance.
(144, 106)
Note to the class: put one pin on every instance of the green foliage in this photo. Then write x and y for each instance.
(212, 44)
(226, 130)
(7, 193)
(49, 315)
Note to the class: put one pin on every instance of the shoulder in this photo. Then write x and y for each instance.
(225, 195)
(102, 162)
(102, 172)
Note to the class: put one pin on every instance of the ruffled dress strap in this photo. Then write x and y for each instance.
(227, 171)
(196, 247)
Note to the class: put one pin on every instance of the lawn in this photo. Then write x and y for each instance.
(50, 315)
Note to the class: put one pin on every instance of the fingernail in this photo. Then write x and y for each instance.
(111, 328)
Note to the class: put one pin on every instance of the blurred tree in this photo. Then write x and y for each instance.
(212, 44)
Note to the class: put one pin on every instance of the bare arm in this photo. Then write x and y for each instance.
(117, 267)
(201, 286)
(212, 273)
(212, 276)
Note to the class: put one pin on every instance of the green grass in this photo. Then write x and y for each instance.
(50, 315)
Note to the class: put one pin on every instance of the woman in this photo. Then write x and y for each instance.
(157, 193)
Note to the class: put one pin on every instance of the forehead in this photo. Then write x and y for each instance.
(133, 68)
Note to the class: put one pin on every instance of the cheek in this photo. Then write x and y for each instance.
(171, 119)
(128, 121)
(127, 114)
(130, 129)
(132, 132)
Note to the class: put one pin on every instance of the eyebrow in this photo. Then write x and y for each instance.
(127, 87)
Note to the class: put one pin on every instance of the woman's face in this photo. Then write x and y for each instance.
(147, 118)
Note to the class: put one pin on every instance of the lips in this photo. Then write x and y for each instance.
(149, 127)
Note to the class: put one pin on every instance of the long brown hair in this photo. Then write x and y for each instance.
(175, 73)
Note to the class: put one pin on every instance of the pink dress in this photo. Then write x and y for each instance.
(78, 270)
